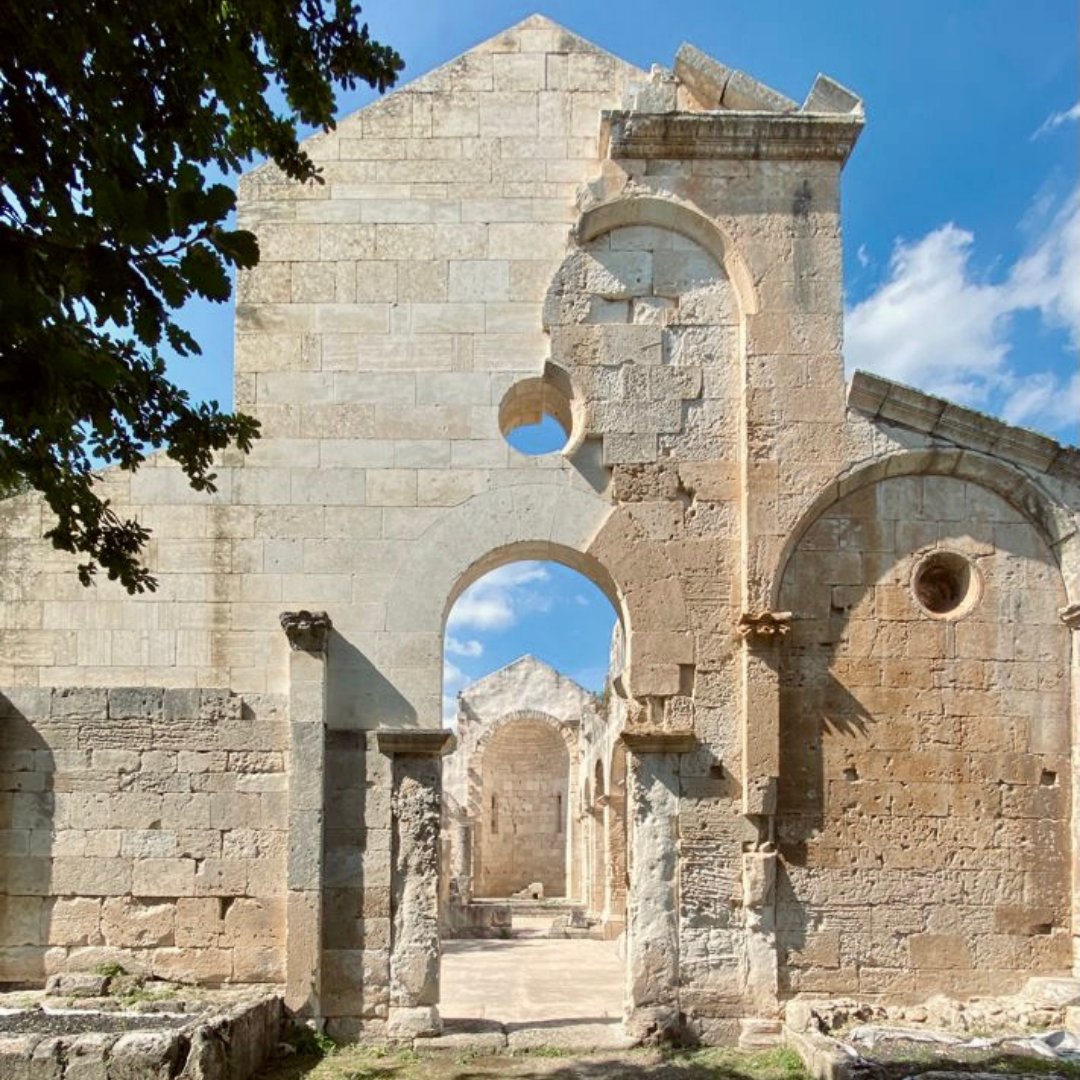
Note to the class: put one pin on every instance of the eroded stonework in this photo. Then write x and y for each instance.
(838, 752)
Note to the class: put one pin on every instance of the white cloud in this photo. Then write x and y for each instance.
(497, 600)
(454, 680)
(863, 256)
(457, 647)
(935, 325)
(453, 677)
(1055, 120)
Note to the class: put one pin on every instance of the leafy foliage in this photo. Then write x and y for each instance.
(111, 114)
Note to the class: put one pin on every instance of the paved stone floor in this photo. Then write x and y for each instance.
(547, 991)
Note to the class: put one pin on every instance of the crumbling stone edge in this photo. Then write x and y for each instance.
(823, 1057)
(232, 1046)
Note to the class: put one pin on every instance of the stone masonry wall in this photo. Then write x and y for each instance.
(356, 897)
(925, 775)
(521, 836)
(143, 827)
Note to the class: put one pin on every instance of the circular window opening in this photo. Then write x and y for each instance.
(535, 416)
(946, 584)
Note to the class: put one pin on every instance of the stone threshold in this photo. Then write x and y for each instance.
(494, 1037)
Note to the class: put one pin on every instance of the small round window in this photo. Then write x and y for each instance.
(946, 585)
(535, 415)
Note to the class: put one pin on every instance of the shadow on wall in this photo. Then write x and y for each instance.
(27, 804)
(357, 692)
(924, 749)
(356, 906)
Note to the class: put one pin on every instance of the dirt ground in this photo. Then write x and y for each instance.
(366, 1063)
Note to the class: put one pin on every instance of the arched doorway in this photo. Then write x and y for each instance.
(514, 788)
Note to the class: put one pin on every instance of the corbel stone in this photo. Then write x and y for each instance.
(437, 741)
(307, 631)
(658, 741)
(1070, 616)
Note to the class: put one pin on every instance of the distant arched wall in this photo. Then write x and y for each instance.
(525, 785)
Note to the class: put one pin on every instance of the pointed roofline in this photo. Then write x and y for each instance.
(520, 660)
(893, 402)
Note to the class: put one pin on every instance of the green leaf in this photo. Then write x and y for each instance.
(110, 126)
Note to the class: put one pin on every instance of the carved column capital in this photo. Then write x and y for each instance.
(1070, 616)
(764, 625)
(307, 631)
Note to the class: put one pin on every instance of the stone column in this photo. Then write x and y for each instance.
(1070, 616)
(759, 904)
(307, 633)
(616, 855)
(761, 634)
(652, 918)
(461, 870)
(414, 882)
(761, 709)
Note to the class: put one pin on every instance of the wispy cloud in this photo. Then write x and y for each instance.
(454, 680)
(498, 599)
(1055, 120)
(457, 647)
(933, 323)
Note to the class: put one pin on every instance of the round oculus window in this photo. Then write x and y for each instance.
(946, 584)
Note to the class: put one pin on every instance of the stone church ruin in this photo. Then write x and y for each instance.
(838, 756)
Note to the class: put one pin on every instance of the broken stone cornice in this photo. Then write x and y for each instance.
(734, 136)
(883, 399)
(828, 96)
(717, 86)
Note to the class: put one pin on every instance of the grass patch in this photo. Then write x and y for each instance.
(778, 1063)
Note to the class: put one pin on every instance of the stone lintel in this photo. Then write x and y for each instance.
(307, 631)
(1070, 616)
(728, 136)
(883, 399)
(435, 741)
(659, 742)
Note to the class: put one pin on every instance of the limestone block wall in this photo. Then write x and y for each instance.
(925, 799)
(144, 827)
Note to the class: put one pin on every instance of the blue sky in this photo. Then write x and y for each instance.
(541, 608)
(961, 214)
